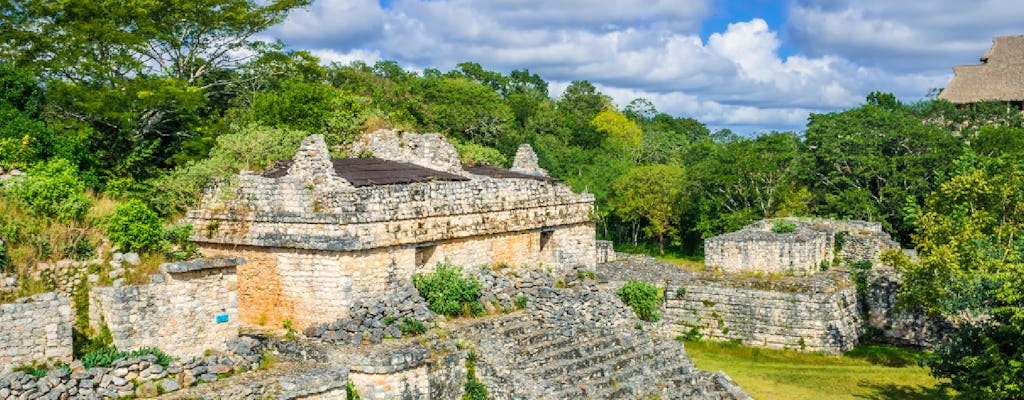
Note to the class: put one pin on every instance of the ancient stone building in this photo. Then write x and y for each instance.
(188, 308)
(320, 234)
(814, 246)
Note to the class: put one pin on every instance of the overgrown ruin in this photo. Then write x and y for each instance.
(323, 251)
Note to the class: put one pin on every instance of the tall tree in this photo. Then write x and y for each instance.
(864, 162)
(138, 75)
(650, 194)
(970, 237)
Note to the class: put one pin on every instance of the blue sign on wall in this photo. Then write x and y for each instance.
(222, 318)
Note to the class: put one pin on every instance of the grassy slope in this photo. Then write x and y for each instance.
(772, 374)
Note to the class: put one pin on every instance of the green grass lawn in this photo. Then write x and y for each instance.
(869, 372)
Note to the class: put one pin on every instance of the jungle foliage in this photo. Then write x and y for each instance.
(145, 103)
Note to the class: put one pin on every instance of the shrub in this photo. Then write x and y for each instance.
(174, 242)
(53, 189)
(473, 389)
(411, 326)
(783, 227)
(134, 227)
(643, 298)
(521, 301)
(475, 154)
(106, 357)
(3, 258)
(234, 151)
(448, 292)
(350, 391)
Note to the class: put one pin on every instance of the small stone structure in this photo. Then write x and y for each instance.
(814, 246)
(817, 315)
(36, 328)
(189, 308)
(321, 235)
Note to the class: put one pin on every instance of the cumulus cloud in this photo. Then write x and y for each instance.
(634, 48)
(903, 35)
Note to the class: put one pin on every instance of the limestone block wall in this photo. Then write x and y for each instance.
(800, 251)
(429, 150)
(36, 328)
(188, 308)
(569, 247)
(826, 321)
(282, 213)
(605, 251)
(898, 326)
(408, 371)
(309, 287)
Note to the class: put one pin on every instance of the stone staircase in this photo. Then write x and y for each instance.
(573, 362)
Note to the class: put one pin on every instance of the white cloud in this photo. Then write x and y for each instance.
(652, 49)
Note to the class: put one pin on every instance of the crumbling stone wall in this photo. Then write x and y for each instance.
(190, 307)
(821, 318)
(429, 150)
(36, 328)
(898, 326)
(812, 246)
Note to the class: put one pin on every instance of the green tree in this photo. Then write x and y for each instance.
(864, 162)
(620, 132)
(747, 179)
(137, 77)
(970, 238)
(463, 108)
(650, 194)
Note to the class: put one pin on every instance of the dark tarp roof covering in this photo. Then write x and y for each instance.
(374, 171)
(495, 172)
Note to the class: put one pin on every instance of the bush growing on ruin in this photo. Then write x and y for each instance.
(448, 292)
(411, 326)
(783, 227)
(643, 298)
(134, 227)
(53, 189)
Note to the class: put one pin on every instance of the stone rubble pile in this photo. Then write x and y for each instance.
(371, 322)
(141, 376)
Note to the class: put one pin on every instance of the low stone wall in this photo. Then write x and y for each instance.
(825, 320)
(811, 313)
(764, 250)
(898, 326)
(36, 328)
(189, 308)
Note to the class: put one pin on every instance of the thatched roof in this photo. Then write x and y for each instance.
(1000, 76)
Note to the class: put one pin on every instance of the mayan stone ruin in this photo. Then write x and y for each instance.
(321, 234)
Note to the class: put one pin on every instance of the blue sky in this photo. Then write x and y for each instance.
(746, 65)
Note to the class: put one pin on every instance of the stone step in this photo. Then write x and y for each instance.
(624, 384)
(599, 363)
(580, 343)
(574, 348)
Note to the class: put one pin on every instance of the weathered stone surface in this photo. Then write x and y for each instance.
(808, 249)
(429, 150)
(526, 161)
(191, 308)
(35, 328)
(316, 252)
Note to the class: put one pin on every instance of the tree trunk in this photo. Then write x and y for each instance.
(661, 243)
